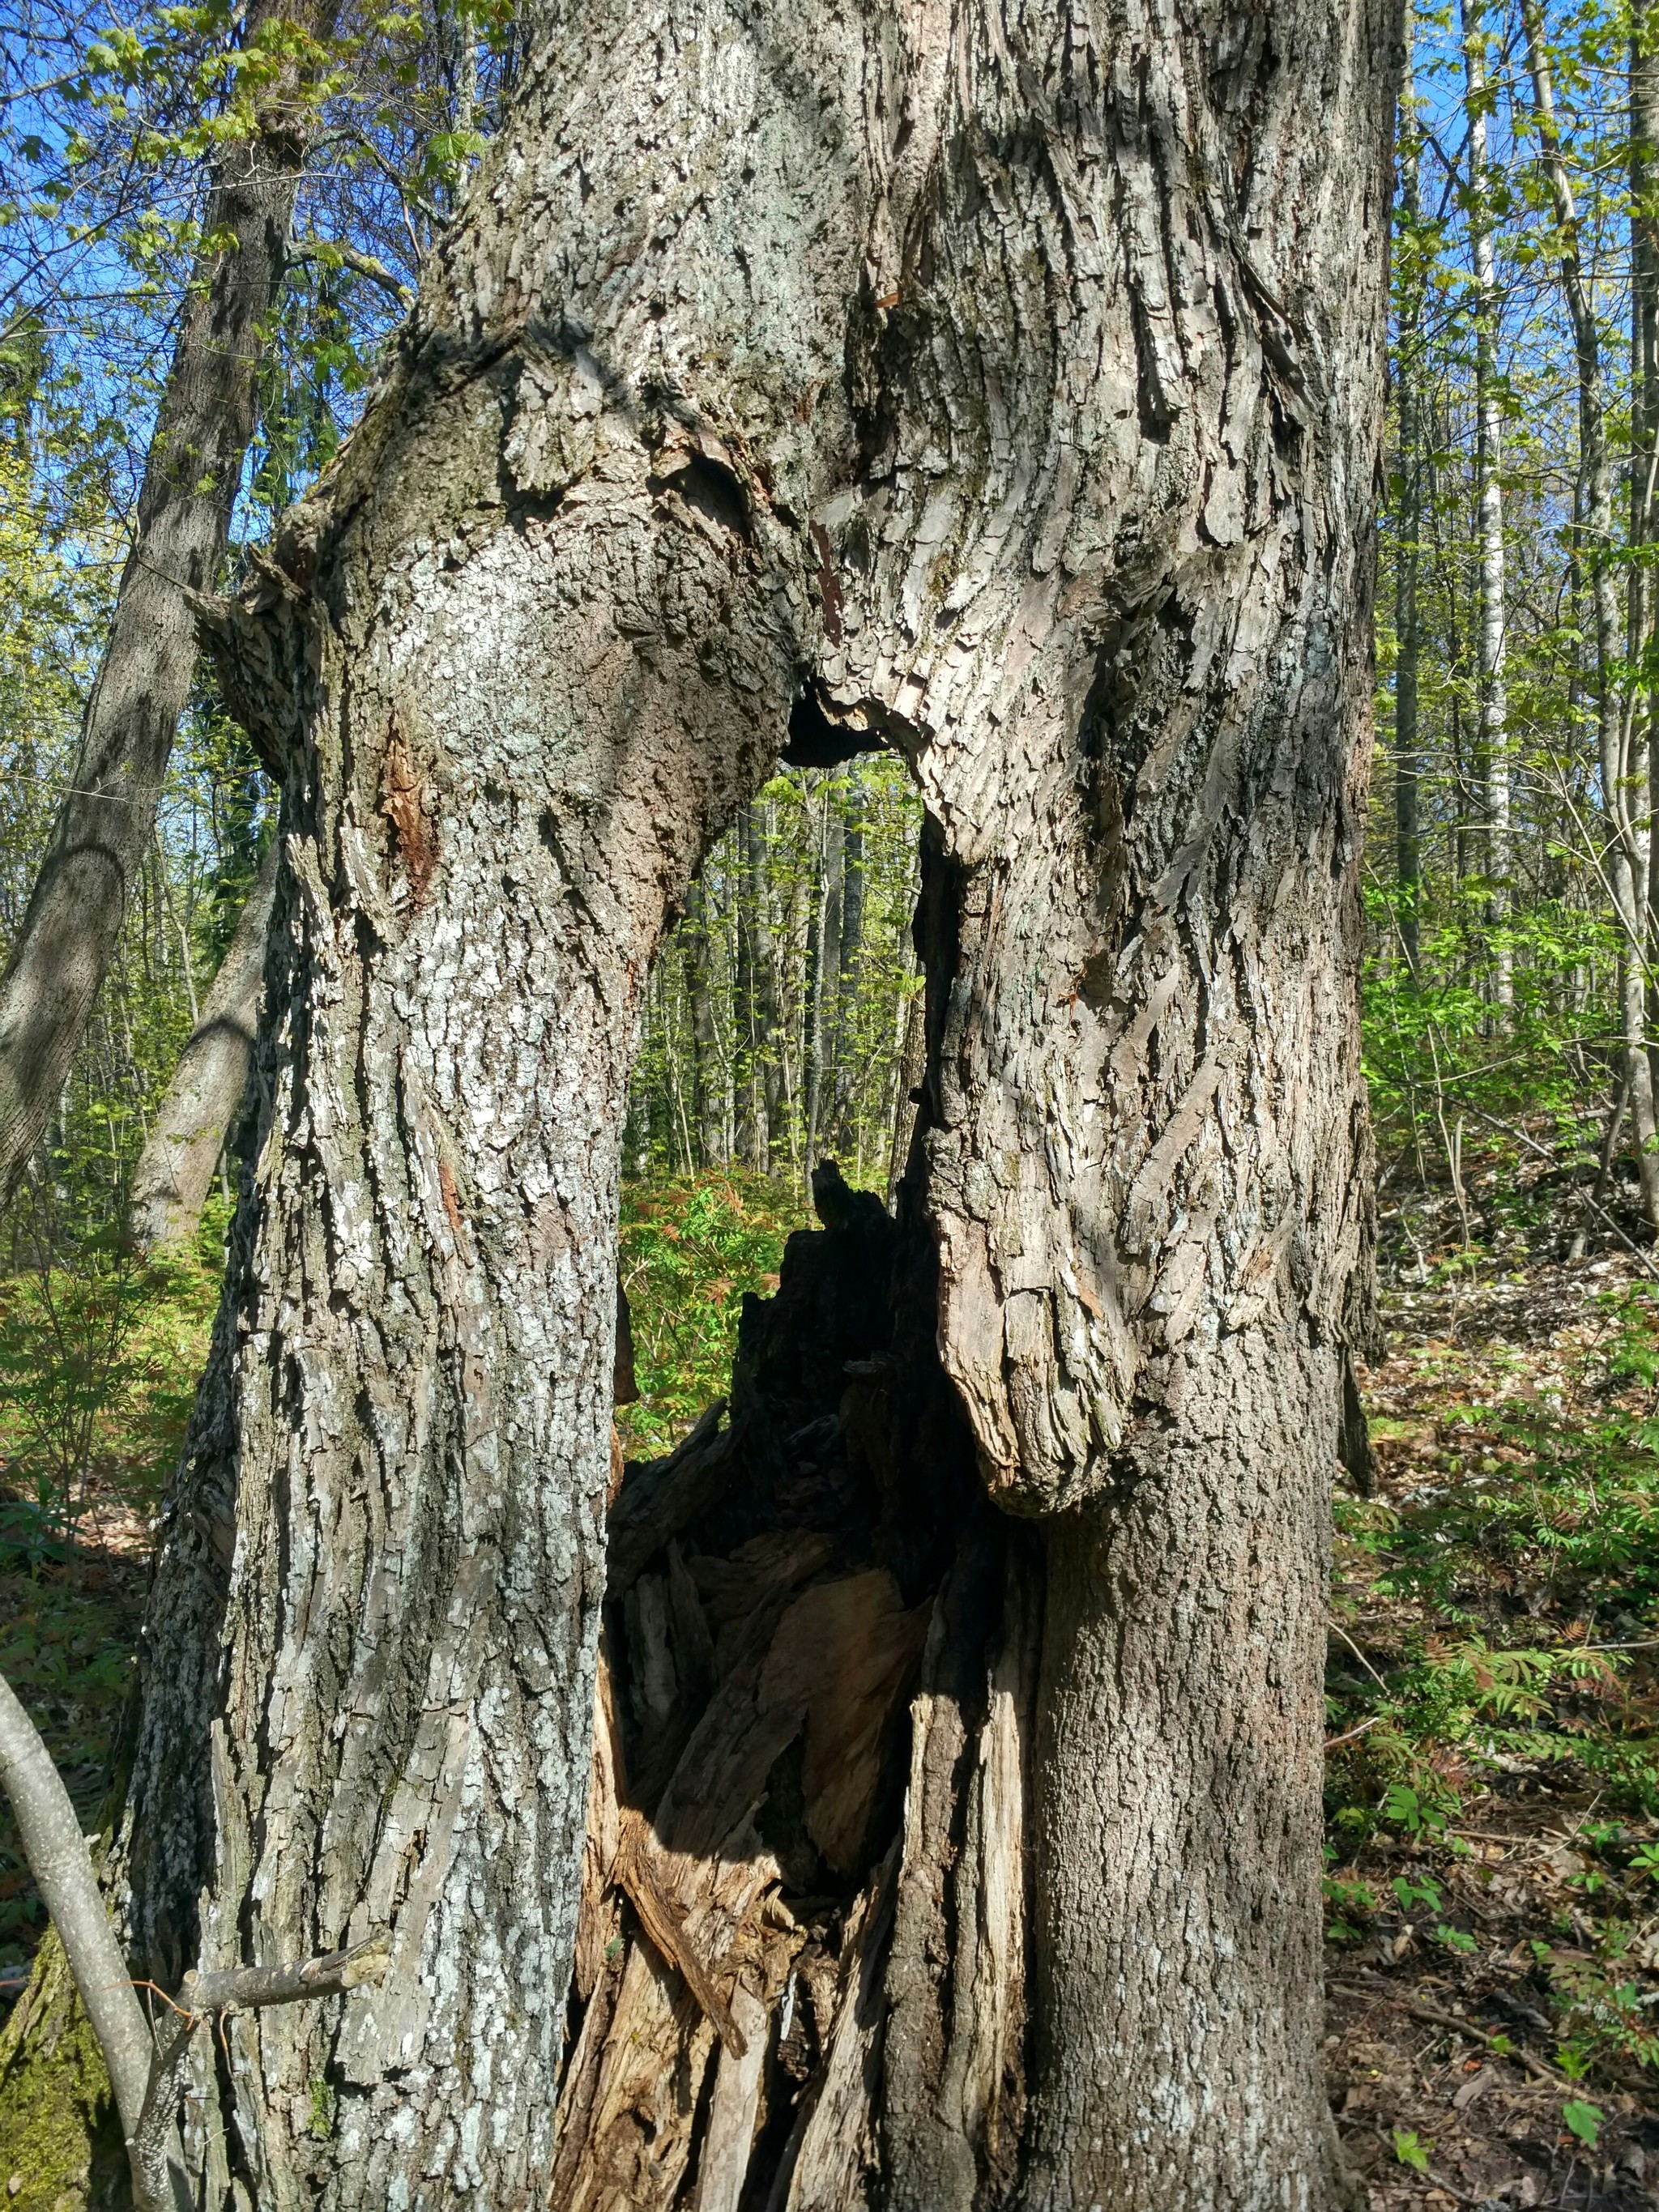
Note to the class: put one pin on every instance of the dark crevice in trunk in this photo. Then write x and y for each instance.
(803, 1627)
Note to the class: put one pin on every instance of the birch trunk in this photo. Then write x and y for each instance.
(1623, 775)
(707, 1071)
(1644, 425)
(1012, 377)
(1408, 621)
(192, 476)
(1489, 502)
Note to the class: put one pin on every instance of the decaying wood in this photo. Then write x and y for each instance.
(723, 2166)
(594, 1917)
(826, 2165)
(660, 1917)
(840, 1652)
(742, 1916)
(659, 1497)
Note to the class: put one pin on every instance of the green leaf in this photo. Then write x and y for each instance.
(1410, 2150)
(1583, 2120)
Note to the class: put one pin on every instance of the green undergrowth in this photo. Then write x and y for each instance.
(99, 1360)
(1492, 1784)
(689, 1250)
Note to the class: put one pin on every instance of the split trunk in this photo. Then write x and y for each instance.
(1008, 381)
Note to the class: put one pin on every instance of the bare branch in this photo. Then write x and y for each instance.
(331, 252)
(62, 1871)
(145, 2078)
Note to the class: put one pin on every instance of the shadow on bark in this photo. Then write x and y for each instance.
(798, 1957)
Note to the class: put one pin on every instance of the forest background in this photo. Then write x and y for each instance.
(1497, 1591)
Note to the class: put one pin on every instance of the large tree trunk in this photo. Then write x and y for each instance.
(191, 477)
(1015, 384)
(175, 1168)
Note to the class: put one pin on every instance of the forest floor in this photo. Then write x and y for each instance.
(1494, 1775)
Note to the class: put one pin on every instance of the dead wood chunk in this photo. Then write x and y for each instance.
(731, 1588)
(628, 2150)
(658, 1499)
(594, 1916)
(694, 1648)
(580, 2086)
(734, 2110)
(735, 1591)
(844, 1650)
(663, 1921)
(832, 2150)
(721, 1775)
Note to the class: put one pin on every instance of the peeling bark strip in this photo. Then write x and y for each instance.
(1063, 333)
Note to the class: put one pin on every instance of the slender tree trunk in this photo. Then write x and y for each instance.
(907, 1075)
(203, 429)
(707, 1068)
(687, 416)
(1622, 779)
(1409, 529)
(748, 1103)
(849, 952)
(1489, 501)
(769, 1008)
(823, 993)
(175, 1168)
(1645, 432)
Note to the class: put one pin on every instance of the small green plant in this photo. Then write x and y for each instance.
(1410, 2150)
(1425, 1890)
(1420, 1808)
(1349, 1902)
(1457, 1939)
(1582, 2120)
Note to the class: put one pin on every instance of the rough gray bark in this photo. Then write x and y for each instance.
(203, 428)
(175, 1168)
(1013, 379)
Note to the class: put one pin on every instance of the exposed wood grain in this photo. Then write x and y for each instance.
(661, 1918)
(835, 2150)
(842, 1651)
(733, 2111)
